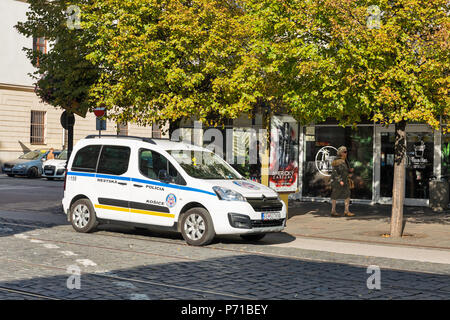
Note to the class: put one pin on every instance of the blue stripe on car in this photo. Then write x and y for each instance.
(156, 183)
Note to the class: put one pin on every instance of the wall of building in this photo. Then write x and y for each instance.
(14, 64)
(16, 105)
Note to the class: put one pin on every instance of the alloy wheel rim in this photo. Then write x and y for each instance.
(194, 227)
(81, 216)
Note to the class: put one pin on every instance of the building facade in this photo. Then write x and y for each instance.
(305, 154)
(25, 122)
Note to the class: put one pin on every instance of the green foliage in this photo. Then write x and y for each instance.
(165, 60)
(325, 61)
(158, 60)
(63, 75)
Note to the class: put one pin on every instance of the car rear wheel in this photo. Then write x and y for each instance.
(197, 227)
(82, 216)
(253, 237)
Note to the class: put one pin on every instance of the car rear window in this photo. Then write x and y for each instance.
(86, 159)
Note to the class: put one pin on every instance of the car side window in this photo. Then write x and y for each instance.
(86, 159)
(114, 160)
(152, 162)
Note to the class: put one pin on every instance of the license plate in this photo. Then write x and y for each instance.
(270, 215)
(48, 172)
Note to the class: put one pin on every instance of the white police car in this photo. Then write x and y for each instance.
(141, 181)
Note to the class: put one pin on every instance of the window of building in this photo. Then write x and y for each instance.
(39, 45)
(122, 129)
(37, 128)
(321, 145)
(156, 131)
(114, 160)
(86, 159)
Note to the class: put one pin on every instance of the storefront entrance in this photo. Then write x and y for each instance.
(419, 164)
(371, 154)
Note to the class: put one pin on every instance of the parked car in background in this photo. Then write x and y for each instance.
(28, 164)
(55, 168)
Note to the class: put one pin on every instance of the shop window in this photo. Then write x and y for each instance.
(321, 144)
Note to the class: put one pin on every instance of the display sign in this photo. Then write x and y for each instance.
(283, 169)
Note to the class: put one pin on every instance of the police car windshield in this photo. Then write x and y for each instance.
(32, 155)
(203, 164)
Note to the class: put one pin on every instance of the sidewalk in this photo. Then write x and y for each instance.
(426, 236)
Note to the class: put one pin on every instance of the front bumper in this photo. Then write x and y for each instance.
(241, 218)
(50, 171)
(19, 172)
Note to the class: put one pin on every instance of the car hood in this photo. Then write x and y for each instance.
(17, 161)
(55, 162)
(247, 188)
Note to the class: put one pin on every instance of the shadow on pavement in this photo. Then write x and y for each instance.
(232, 277)
(369, 212)
(275, 238)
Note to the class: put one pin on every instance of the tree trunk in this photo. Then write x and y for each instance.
(398, 189)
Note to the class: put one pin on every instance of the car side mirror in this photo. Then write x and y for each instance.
(163, 175)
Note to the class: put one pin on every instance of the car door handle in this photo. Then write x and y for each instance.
(122, 183)
(138, 185)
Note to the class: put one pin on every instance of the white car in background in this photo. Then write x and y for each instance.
(55, 168)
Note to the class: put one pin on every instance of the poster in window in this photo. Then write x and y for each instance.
(283, 169)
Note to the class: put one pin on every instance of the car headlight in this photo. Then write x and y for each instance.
(20, 166)
(228, 194)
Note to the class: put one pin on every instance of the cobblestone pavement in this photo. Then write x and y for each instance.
(42, 260)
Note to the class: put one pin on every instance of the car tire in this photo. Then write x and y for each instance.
(197, 227)
(82, 216)
(253, 237)
(32, 173)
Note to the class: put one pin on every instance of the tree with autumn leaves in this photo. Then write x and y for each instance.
(327, 58)
(156, 60)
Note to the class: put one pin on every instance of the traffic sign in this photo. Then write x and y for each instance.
(100, 124)
(67, 120)
(99, 112)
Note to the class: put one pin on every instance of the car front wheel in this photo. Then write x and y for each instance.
(82, 216)
(33, 173)
(197, 227)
